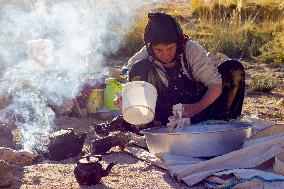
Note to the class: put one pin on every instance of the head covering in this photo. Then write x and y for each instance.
(163, 28)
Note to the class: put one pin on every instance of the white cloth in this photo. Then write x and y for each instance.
(174, 160)
(262, 148)
(145, 156)
(248, 157)
(193, 170)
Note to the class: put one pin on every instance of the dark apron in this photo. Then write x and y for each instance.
(181, 89)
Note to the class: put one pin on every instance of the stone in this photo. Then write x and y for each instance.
(6, 136)
(6, 175)
(16, 157)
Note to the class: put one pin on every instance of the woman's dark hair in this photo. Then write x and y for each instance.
(163, 28)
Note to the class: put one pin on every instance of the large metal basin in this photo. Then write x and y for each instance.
(199, 140)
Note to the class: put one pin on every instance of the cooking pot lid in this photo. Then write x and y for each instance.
(86, 160)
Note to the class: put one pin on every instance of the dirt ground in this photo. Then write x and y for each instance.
(129, 172)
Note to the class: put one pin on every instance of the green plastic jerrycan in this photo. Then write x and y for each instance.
(112, 87)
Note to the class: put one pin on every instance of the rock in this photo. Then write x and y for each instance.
(138, 140)
(101, 146)
(280, 102)
(3, 102)
(65, 144)
(64, 108)
(6, 175)
(16, 157)
(6, 136)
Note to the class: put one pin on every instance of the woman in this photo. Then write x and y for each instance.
(182, 72)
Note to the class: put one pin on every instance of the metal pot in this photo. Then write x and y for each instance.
(199, 140)
(89, 171)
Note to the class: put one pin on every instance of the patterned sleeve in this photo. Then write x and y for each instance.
(203, 68)
(142, 54)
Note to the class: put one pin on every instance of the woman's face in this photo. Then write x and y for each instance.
(165, 52)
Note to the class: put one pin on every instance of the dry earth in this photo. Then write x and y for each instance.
(130, 172)
(267, 106)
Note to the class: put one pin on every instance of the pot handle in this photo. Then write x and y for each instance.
(99, 157)
(77, 159)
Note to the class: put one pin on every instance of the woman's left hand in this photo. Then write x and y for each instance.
(190, 110)
(118, 100)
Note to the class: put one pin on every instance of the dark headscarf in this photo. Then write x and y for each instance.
(163, 28)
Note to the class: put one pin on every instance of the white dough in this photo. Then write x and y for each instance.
(177, 122)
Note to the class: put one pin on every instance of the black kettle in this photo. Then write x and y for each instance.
(65, 144)
(89, 171)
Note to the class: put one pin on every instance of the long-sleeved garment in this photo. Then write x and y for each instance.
(203, 67)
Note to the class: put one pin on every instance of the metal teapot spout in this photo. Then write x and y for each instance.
(108, 169)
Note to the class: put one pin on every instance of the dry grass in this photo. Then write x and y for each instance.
(256, 10)
(272, 52)
(264, 84)
(134, 39)
(241, 29)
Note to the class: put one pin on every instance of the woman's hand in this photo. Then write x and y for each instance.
(213, 92)
(118, 100)
(190, 110)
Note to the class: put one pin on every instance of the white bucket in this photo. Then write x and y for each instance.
(138, 102)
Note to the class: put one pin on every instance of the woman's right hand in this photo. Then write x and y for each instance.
(118, 100)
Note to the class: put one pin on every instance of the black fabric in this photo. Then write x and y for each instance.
(161, 28)
(181, 89)
(229, 104)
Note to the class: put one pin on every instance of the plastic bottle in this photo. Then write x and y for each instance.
(112, 87)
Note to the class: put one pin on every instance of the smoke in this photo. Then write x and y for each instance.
(74, 28)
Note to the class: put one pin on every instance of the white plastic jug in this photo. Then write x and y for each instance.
(138, 102)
